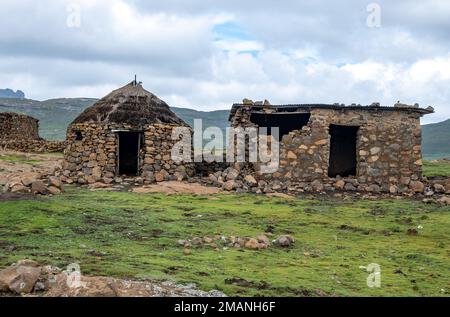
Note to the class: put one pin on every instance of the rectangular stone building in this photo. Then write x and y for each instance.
(367, 148)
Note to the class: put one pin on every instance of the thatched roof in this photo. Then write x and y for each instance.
(130, 104)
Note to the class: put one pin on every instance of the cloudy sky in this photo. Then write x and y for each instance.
(208, 54)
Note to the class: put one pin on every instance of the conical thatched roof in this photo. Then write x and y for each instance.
(130, 104)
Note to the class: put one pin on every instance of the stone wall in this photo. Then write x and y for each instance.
(15, 126)
(388, 151)
(33, 146)
(203, 168)
(21, 133)
(94, 157)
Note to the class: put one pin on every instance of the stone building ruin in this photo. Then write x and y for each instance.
(21, 133)
(365, 148)
(17, 126)
(128, 132)
(322, 147)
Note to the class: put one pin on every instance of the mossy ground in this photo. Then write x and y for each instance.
(135, 236)
(436, 168)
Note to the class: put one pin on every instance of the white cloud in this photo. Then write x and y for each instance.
(236, 45)
(294, 52)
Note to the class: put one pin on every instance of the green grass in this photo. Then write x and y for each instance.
(436, 168)
(18, 159)
(135, 236)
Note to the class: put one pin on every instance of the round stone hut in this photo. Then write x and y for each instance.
(21, 133)
(126, 133)
(14, 126)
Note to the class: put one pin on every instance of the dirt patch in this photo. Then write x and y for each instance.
(356, 229)
(244, 283)
(281, 195)
(16, 166)
(10, 197)
(263, 285)
(173, 188)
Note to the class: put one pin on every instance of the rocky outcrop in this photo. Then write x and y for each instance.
(46, 186)
(217, 242)
(20, 277)
(28, 278)
(284, 241)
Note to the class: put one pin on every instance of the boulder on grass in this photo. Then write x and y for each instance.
(417, 186)
(230, 185)
(54, 190)
(444, 200)
(39, 187)
(55, 182)
(439, 188)
(20, 278)
(19, 188)
(284, 241)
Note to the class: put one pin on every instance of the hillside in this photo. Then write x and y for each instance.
(436, 139)
(217, 118)
(56, 114)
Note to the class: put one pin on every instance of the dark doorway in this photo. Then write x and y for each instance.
(286, 121)
(129, 147)
(343, 150)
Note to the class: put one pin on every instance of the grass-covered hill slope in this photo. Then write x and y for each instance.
(436, 139)
(54, 115)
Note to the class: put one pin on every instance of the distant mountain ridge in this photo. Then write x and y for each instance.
(56, 114)
(9, 93)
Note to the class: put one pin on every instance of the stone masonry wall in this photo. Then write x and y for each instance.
(33, 146)
(388, 152)
(94, 157)
(21, 133)
(15, 126)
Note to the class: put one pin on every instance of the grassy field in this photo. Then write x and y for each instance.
(13, 158)
(436, 168)
(135, 236)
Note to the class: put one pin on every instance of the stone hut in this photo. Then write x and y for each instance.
(21, 133)
(128, 132)
(15, 126)
(327, 147)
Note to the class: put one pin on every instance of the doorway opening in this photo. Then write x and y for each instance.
(129, 148)
(286, 121)
(343, 159)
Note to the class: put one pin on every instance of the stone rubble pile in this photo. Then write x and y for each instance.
(256, 243)
(28, 278)
(232, 180)
(40, 185)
